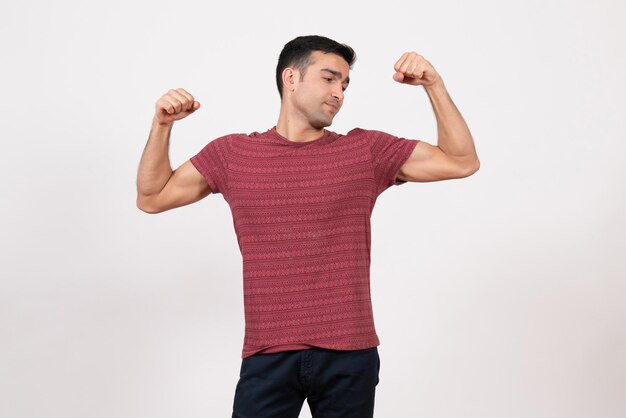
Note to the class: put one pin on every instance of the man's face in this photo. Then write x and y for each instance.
(319, 95)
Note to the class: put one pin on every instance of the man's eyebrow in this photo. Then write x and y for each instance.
(336, 74)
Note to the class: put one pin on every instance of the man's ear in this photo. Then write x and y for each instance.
(290, 75)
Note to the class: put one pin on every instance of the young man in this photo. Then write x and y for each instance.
(301, 197)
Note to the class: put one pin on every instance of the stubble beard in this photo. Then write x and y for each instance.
(322, 121)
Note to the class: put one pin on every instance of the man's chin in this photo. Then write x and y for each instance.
(323, 123)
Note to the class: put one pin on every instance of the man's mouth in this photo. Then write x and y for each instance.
(332, 106)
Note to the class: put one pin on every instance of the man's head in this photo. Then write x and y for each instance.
(314, 71)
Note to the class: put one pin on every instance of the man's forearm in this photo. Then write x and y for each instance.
(154, 168)
(454, 137)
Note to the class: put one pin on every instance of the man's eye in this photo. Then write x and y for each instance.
(329, 79)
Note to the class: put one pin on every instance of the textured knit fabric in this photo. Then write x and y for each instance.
(301, 212)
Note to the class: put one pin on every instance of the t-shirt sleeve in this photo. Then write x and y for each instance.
(388, 152)
(211, 162)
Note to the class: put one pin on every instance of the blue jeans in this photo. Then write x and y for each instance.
(335, 384)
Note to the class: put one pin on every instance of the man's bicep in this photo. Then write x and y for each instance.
(186, 185)
(428, 162)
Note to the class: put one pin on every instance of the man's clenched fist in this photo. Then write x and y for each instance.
(413, 69)
(175, 105)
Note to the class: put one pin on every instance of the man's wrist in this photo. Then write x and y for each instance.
(161, 125)
(435, 86)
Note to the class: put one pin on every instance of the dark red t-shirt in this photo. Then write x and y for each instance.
(301, 212)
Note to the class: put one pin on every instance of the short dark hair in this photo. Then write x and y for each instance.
(297, 53)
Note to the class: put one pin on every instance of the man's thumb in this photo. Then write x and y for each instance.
(398, 76)
(196, 106)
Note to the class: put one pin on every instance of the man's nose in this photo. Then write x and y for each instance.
(338, 94)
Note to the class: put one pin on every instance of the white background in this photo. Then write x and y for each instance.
(498, 295)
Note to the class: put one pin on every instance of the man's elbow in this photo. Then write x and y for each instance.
(144, 206)
(470, 169)
(476, 166)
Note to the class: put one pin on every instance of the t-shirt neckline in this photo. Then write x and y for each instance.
(274, 133)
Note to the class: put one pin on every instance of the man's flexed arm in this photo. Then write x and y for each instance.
(158, 187)
(454, 156)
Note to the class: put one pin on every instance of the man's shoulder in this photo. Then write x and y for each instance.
(367, 133)
(233, 136)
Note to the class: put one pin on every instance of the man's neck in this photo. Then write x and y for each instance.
(297, 130)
